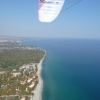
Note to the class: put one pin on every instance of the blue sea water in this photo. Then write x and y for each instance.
(71, 68)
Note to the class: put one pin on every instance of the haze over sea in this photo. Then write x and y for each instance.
(71, 68)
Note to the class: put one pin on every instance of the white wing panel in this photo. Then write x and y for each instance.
(48, 10)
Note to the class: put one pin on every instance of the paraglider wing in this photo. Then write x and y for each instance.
(48, 10)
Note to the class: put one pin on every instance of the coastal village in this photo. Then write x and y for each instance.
(18, 83)
(21, 82)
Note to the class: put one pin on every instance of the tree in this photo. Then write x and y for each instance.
(4, 91)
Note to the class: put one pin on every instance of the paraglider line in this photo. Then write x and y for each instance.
(72, 5)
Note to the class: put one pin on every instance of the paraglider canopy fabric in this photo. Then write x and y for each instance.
(48, 10)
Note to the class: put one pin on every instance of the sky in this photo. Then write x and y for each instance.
(20, 18)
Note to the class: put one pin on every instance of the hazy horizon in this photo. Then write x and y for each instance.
(20, 18)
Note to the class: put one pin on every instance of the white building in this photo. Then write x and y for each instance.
(16, 74)
(29, 80)
(30, 86)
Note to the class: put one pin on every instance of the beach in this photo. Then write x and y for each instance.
(38, 90)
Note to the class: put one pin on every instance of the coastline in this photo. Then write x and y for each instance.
(38, 90)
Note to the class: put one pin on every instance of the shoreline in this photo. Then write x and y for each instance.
(38, 90)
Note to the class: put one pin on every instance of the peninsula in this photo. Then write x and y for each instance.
(20, 67)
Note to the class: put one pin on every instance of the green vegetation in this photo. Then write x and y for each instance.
(15, 57)
(18, 67)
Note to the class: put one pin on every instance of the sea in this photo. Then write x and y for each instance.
(71, 68)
